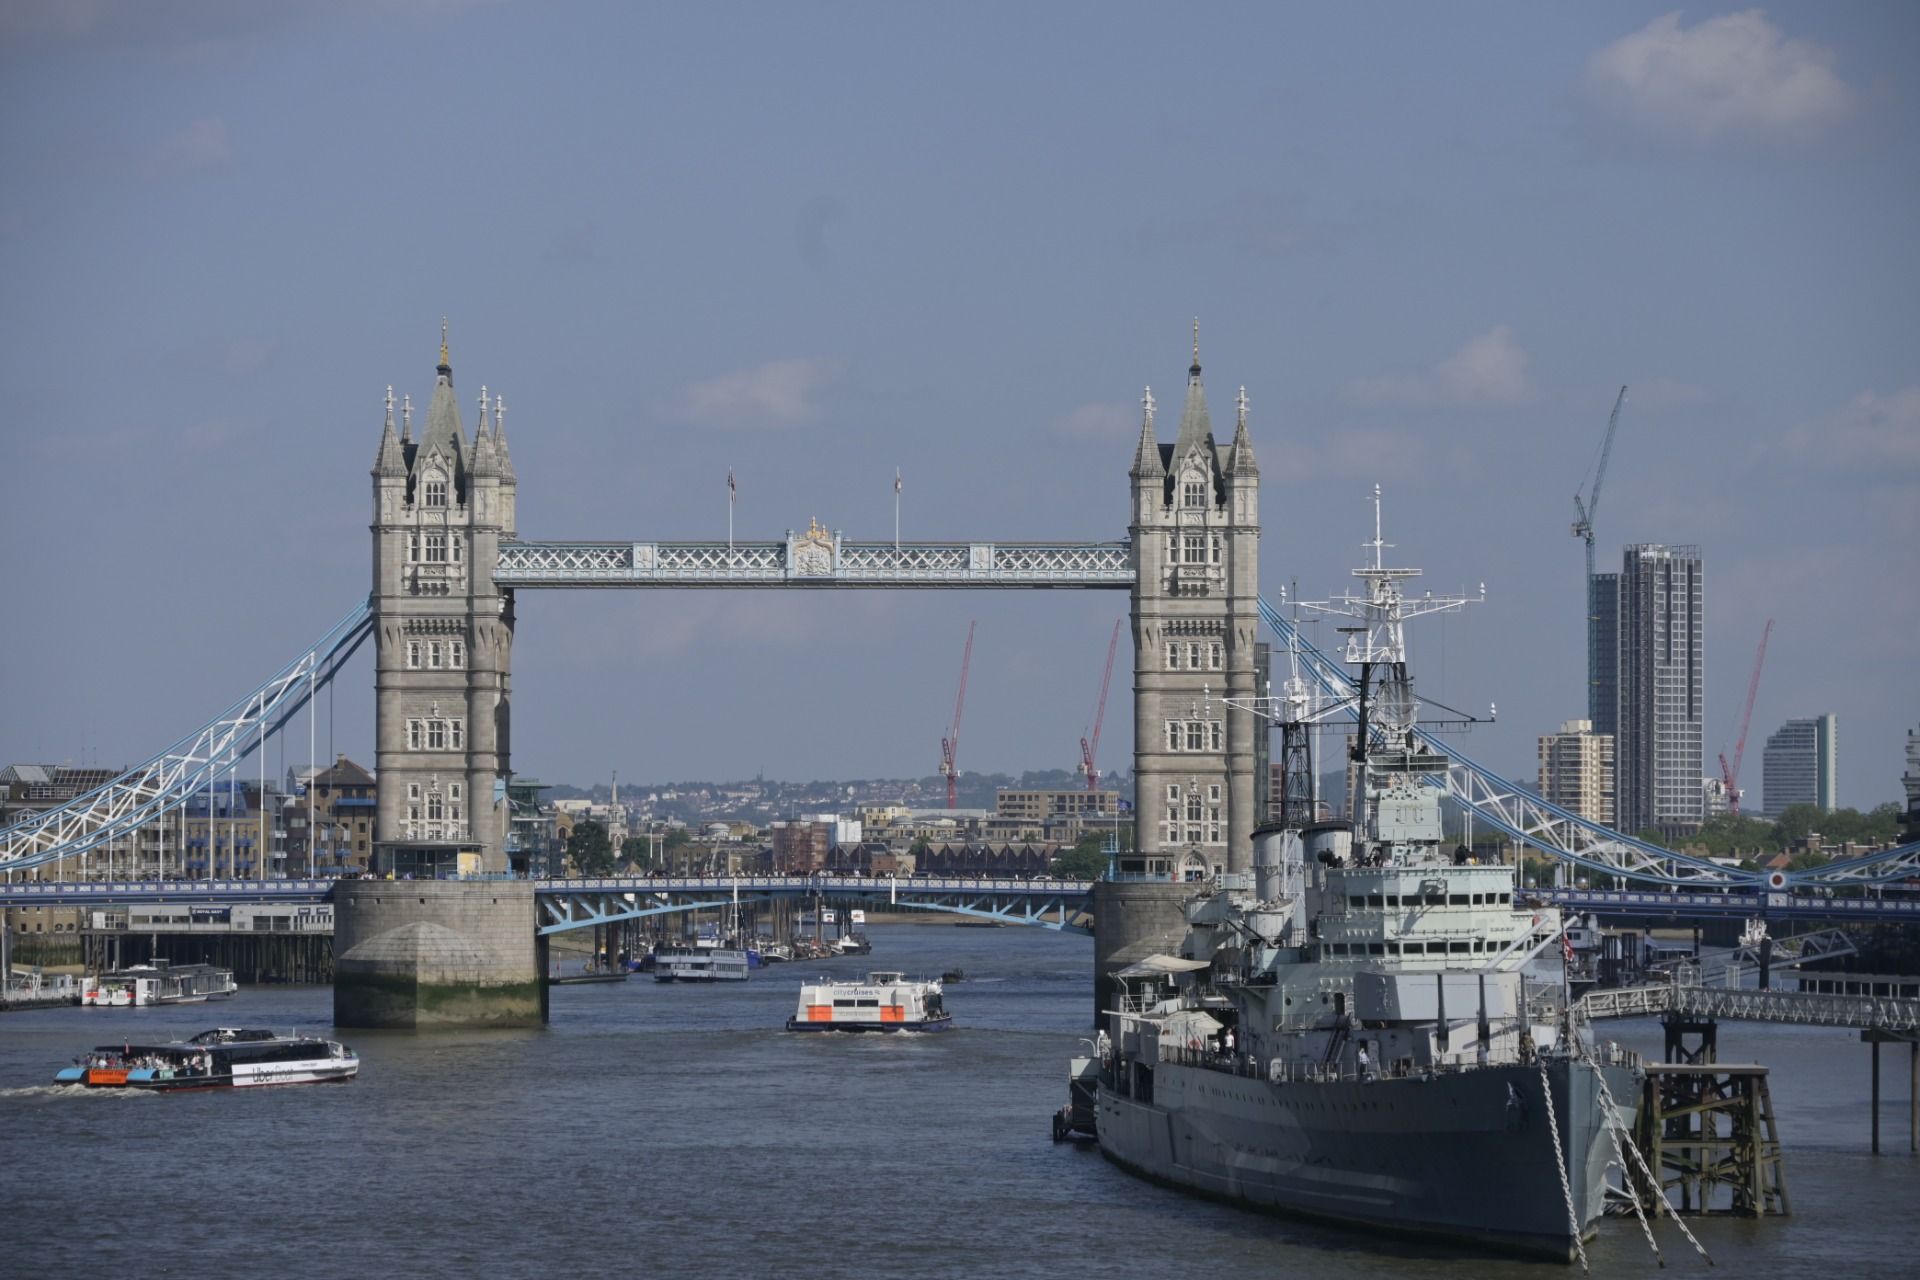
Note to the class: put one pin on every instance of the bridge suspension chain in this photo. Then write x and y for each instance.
(1568, 836)
(162, 784)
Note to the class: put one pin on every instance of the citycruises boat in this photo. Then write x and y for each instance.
(700, 964)
(224, 1058)
(158, 983)
(884, 1002)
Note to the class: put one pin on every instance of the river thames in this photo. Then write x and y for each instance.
(658, 1128)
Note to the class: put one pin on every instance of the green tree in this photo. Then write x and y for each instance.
(1086, 860)
(634, 851)
(589, 849)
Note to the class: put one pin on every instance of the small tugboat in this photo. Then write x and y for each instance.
(884, 1002)
(224, 1058)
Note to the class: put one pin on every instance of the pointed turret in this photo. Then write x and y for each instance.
(388, 461)
(1146, 459)
(1196, 428)
(1240, 454)
(443, 431)
(500, 437)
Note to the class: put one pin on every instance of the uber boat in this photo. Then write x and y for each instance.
(224, 1058)
(884, 1002)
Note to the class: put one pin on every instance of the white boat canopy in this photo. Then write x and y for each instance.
(1160, 967)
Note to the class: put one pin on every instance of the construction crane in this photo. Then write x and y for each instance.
(950, 745)
(1589, 506)
(1730, 775)
(1090, 747)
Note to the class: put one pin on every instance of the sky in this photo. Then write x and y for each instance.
(816, 243)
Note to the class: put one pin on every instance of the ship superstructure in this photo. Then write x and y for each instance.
(1349, 1032)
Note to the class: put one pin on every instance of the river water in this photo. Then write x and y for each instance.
(658, 1129)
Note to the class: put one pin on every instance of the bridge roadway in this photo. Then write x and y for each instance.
(579, 902)
(1006, 900)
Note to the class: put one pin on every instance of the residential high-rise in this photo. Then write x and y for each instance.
(1798, 766)
(1647, 685)
(1576, 771)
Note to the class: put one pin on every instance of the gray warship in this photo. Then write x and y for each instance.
(1348, 1033)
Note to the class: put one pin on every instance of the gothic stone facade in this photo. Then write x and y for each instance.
(441, 506)
(1196, 544)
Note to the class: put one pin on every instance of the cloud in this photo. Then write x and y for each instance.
(1871, 432)
(1490, 369)
(1258, 223)
(810, 231)
(1731, 76)
(1370, 455)
(247, 355)
(782, 393)
(201, 147)
(1108, 421)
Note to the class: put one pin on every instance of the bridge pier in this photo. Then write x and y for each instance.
(436, 953)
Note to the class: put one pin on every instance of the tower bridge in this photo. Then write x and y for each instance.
(449, 561)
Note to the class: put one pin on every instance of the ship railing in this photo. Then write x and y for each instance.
(1208, 1059)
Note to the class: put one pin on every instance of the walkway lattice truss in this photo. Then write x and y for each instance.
(815, 559)
(157, 787)
(1564, 834)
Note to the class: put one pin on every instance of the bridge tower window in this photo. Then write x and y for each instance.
(436, 492)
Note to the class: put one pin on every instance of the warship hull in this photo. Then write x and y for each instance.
(1464, 1156)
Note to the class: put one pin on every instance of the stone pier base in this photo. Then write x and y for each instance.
(1133, 919)
(435, 953)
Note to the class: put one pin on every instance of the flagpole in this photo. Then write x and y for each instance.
(896, 510)
(730, 492)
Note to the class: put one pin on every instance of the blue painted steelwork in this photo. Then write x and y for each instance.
(162, 784)
(578, 903)
(1683, 905)
(1548, 827)
(88, 893)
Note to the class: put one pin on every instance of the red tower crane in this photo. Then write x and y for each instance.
(1090, 747)
(1730, 774)
(950, 745)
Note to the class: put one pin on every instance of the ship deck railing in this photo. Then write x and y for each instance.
(1291, 1071)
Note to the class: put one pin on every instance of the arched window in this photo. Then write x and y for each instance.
(435, 491)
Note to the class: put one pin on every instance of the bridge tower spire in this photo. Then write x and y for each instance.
(444, 635)
(1196, 546)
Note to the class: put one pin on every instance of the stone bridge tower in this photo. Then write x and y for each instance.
(1196, 544)
(444, 636)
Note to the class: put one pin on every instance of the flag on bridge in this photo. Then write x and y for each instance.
(732, 488)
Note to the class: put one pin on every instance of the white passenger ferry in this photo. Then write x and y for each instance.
(224, 1058)
(707, 964)
(884, 1002)
(158, 983)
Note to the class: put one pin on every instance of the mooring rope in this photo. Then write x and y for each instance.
(1626, 1174)
(1659, 1194)
(1560, 1166)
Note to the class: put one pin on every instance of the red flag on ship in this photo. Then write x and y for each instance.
(1566, 946)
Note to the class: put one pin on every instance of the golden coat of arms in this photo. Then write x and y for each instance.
(812, 552)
